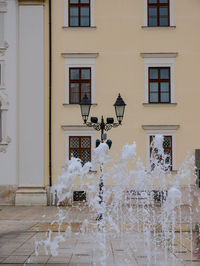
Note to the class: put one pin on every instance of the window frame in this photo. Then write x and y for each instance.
(80, 148)
(165, 130)
(159, 80)
(159, 60)
(66, 16)
(79, 60)
(79, 5)
(171, 16)
(79, 81)
(158, 5)
(78, 131)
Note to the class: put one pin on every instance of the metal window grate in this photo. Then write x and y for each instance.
(79, 196)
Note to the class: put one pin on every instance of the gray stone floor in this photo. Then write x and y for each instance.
(19, 229)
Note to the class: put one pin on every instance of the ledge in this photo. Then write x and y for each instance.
(79, 28)
(159, 55)
(77, 127)
(75, 105)
(159, 104)
(158, 28)
(160, 127)
(80, 55)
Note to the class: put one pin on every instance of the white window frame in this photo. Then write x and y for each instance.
(159, 60)
(2, 74)
(66, 15)
(171, 14)
(80, 60)
(78, 131)
(165, 131)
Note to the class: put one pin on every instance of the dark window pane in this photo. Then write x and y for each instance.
(85, 1)
(167, 142)
(85, 21)
(74, 21)
(74, 153)
(164, 73)
(85, 11)
(164, 11)
(73, 11)
(74, 142)
(74, 93)
(164, 97)
(83, 94)
(85, 87)
(73, 1)
(164, 86)
(85, 142)
(153, 11)
(152, 1)
(153, 73)
(153, 87)
(74, 73)
(85, 156)
(153, 97)
(85, 74)
(164, 21)
(153, 16)
(164, 1)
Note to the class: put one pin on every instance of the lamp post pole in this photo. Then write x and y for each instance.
(102, 126)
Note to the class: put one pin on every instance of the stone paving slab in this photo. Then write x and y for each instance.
(19, 229)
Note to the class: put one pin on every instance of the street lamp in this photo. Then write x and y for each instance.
(119, 105)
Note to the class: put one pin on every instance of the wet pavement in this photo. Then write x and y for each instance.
(20, 227)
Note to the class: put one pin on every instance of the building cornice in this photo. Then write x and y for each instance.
(77, 127)
(80, 55)
(160, 127)
(159, 55)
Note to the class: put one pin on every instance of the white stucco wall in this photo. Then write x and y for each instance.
(31, 96)
(8, 158)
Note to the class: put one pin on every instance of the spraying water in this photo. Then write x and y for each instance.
(141, 207)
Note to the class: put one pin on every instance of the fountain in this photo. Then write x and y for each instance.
(142, 209)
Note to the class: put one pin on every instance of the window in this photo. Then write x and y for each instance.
(80, 147)
(169, 133)
(167, 147)
(79, 84)
(159, 81)
(79, 13)
(159, 84)
(85, 62)
(158, 13)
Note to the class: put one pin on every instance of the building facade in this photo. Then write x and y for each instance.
(23, 80)
(146, 50)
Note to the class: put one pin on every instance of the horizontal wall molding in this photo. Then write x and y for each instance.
(80, 55)
(160, 127)
(77, 128)
(159, 55)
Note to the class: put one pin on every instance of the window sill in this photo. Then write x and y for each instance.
(79, 28)
(159, 104)
(75, 105)
(159, 27)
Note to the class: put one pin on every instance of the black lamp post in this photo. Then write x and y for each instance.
(102, 126)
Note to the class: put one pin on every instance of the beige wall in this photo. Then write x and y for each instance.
(119, 39)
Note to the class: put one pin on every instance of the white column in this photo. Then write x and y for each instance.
(31, 106)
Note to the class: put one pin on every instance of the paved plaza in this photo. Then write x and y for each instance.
(21, 226)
